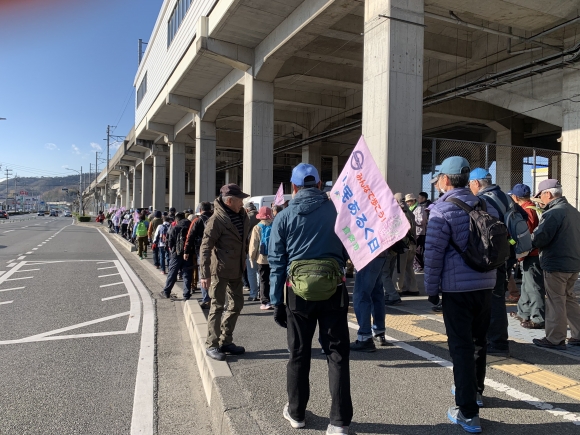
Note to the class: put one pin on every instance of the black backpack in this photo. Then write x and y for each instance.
(487, 246)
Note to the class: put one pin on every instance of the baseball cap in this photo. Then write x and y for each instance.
(520, 190)
(550, 183)
(452, 166)
(410, 197)
(303, 170)
(233, 190)
(479, 174)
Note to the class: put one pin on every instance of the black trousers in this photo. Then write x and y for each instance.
(331, 317)
(264, 273)
(466, 317)
(419, 262)
(497, 335)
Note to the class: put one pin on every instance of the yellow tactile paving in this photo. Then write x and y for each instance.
(407, 323)
(514, 367)
(550, 380)
(572, 392)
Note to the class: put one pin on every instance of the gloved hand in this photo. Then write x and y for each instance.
(280, 315)
(434, 299)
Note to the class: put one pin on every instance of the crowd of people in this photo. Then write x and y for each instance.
(467, 244)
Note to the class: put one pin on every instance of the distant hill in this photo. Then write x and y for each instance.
(47, 188)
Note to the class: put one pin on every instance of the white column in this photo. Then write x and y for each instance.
(137, 188)
(177, 176)
(393, 90)
(509, 161)
(146, 184)
(159, 180)
(232, 175)
(311, 154)
(122, 191)
(569, 166)
(205, 156)
(258, 137)
(128, 195)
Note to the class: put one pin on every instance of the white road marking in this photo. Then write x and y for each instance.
(110, 274)
(142, 420)
(10, 289)
(8, 231)
(503, 388)
(115, 297)
(27, 270)
(109, 285)
(35, 249)
(22, 257)
(7, 302)
(16, 279)
(40, 246)
(101, 262)
(108, 267)
(44, 335)
(29, 252)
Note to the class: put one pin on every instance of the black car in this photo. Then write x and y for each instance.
(4, 214)
(40, 213)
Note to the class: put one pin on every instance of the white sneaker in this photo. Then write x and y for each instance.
(331, 430)
(295, 424)
(265, 307)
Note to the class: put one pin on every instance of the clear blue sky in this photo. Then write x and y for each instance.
(66, 71)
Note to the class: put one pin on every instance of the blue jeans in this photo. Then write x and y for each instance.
(177, 263)
(368, 299)
(204, 293)
(253, 279)
(162, 257)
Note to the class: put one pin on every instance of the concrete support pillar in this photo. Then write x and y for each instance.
(122, 192)
(569, 165)
(146, 184)
(177, 176)
(128, 195)
(137, 177)
(393, 90)
(205, 156)
(311, 154)
(509, 161)
(258, 137)
(159, 177)
(335, 169)
(233, 175)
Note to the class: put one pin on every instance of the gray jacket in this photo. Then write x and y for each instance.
(558, 237)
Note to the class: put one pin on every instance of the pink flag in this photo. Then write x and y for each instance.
(279, 200)
(369, 218)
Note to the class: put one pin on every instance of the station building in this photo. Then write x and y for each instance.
(243, 90)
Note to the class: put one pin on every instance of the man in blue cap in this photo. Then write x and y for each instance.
(466, 292)
(531, 303)
(303, 238)
(480, 185)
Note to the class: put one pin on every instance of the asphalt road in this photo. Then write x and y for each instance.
(76, 333)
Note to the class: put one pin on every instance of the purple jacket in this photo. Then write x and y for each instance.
(444, 269)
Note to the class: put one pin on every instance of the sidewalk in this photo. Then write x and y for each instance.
(401, 389)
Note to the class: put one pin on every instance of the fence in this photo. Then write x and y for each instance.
(508, 165)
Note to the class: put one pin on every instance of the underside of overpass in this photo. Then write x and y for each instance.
(261, 85)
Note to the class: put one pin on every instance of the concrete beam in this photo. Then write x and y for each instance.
(236, 56)
(184, 103)
(467, 110)
(163, 129)
(446, 48)
(224, 93)
(321, 72)
(187, 122)
(309, 99)
(302, 26)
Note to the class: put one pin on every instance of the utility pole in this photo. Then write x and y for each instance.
(81, 193)
(107, 174)
(8, 173)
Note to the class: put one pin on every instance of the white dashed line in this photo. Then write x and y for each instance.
(27, 270)
(35, 249)
(111, 274)
(115, 297)
(108, 267)
(102, 262)
(29, 252)
(109, 285)
(7, 302)
(9, 231)
(10, 289)
(21, 257)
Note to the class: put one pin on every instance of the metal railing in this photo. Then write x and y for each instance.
(508, 165)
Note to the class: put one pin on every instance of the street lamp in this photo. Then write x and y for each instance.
(80, 185)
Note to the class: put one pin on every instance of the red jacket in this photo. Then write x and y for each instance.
(532, 221)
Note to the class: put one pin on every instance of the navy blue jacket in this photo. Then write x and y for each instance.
(302, 231)
(444, 268)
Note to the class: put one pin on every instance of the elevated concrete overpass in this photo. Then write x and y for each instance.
(242, 90)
